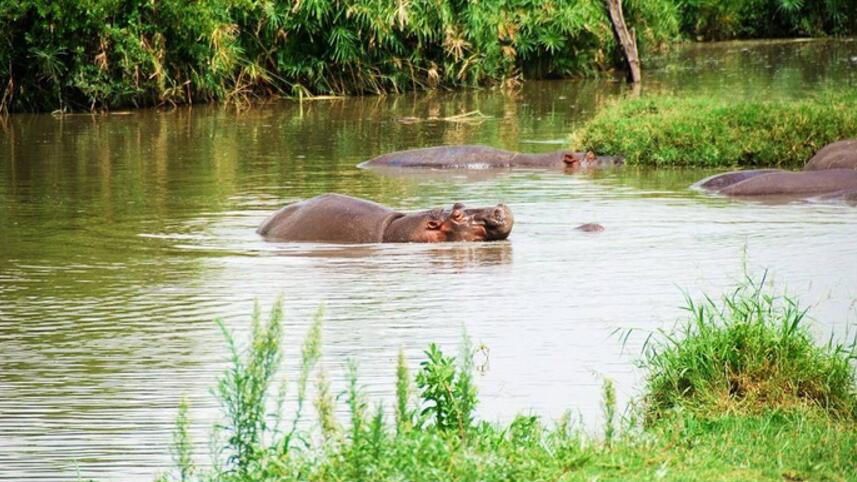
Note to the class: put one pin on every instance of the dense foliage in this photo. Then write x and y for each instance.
(92, 54)
(723, 19)
(741, 393)
(70, 54)
(703, 132)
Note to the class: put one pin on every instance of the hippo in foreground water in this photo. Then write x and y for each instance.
(334, 218)
(485, 157)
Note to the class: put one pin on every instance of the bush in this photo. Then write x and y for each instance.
(723, 19)
(703, 132)
(89, 54)
(749, 353)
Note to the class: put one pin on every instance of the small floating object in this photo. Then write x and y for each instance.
(590, 228)
(473, 117)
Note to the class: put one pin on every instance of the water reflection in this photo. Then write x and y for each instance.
(123, 237)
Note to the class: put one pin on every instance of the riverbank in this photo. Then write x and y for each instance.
(666, 131)
(739, 392)
(106, 55)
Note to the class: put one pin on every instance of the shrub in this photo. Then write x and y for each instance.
(722, 19)
(106, 53)
(749, 353)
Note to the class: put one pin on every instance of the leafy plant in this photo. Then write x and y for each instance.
(448, 394)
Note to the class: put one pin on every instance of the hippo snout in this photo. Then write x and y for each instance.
(498, 222)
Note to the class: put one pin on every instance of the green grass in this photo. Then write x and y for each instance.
(750, 352)
(667, 131)
(792, 419)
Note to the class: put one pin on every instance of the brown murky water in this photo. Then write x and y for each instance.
(123, 236)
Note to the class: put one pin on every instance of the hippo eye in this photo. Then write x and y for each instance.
(457, 215)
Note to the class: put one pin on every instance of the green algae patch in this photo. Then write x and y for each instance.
(665, 131)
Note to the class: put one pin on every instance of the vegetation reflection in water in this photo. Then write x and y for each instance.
(124, 235)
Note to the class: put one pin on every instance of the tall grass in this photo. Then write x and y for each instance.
(748, 353)
(704, 132)
(738, 393)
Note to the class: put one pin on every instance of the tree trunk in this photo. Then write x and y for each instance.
(626, 39)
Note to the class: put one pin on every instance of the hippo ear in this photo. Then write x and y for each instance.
(433, 224)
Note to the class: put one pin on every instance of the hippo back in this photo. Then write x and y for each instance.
(331, 218)
(464, 157)
(795, 183)
(839, 155)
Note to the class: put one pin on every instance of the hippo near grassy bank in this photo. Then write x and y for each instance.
(485, 157)
(831, 183)
(334, 218)
(803, 184)
(838, 155)
(831, 174)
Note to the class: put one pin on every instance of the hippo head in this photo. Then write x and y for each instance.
(496, 221)
(456, 224)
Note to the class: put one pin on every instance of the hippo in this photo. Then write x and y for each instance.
(335, 218)
(831, 174)
(485, 157)
(838, 155)
(784, 183)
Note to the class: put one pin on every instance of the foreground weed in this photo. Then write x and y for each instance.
(747, 353)
(796, 428)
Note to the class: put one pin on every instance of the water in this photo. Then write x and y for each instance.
(123, 236)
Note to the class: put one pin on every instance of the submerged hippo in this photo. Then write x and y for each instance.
(830, 174)
(784, 183)
(838, 155)
(334, 218)
(485, 157)
(590, 228)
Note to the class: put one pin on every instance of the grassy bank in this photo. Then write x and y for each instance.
(110, 54)
(740, 392)
(704, 132)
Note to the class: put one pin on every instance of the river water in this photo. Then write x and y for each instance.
(123, 236)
